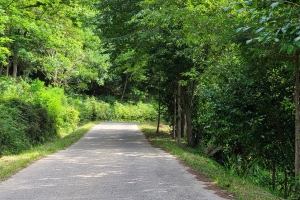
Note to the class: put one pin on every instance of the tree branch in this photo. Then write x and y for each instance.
(289, 2)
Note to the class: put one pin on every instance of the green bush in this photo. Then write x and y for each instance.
(129, 112)
(103, 111)
(55, 103)
(32, 114)
(39, 126)
(91, 109)
(84, 108)
(70, 118)
(13, 137)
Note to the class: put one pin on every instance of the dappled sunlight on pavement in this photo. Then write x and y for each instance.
(112, 161)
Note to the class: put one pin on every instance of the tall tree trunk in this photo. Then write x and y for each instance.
(273, 175)
(286, 176)
(297, 125)
(159, 113)
(55, 77)
(125, 86)
(191, 138)
(237, 169)
(174, 117)
(188, 115)
(8, 66)
(15, 65)
(179, 115)
(183, 124)
(7, 70)
(159, 105)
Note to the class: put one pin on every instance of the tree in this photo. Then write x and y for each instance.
(279, 25)
(55, 39)
(189, 32)
(4, 51)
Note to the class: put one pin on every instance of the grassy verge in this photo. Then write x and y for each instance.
(240, 188)
(11, 164)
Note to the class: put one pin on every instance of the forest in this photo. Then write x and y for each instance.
(224, 75)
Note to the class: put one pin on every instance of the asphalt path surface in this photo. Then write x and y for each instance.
(113, 161)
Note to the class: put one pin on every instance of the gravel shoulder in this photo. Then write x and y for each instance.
(112, 161)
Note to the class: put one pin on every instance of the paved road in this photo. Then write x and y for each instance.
(113, 161)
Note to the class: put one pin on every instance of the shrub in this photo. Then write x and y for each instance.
(70, 119)
(13, 137)
(32, 114)
(55, 104)
(130, 112)
(91, 109)
(39, 126)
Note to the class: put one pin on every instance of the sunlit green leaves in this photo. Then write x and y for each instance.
(54, 37)
(273, 5)
(278, 22)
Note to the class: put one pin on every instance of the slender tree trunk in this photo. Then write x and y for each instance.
(237, 164)
(273, 175)
(159, 113)
(183, 126)
(125, 86)
(286, 184)
(297, 125)
(191, 140)
(55, 77)
(15, 65)
(159, 104)
(188, 115)
(7, 70)
(8, 66)
(174, 117)
(179, 116)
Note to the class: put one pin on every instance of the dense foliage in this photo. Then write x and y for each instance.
(224, 74)
(32, 114)
(52, 40)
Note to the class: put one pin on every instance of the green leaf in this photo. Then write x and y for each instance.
(251, 3)
(273, 5)
(290, 49)
(283, 29)
(297, 38)
(264, 19)
(259, 30)
(251, 10)
(240, 10)
(248, 41)
(246, 28)
(239, 29)
(238, 5)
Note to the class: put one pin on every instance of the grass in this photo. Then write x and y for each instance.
(241, 189)
(12, 163)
